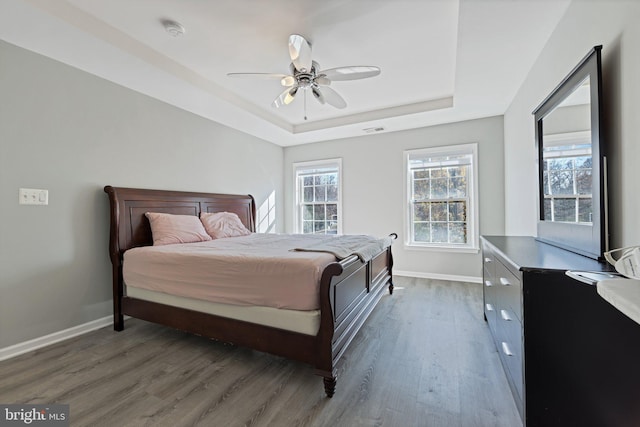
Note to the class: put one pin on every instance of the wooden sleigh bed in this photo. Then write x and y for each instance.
(349, 289)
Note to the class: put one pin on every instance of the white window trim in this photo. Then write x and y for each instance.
(297, 221)
(473, 246)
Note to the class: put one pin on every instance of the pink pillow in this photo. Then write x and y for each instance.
(223, 224)
(168, 229)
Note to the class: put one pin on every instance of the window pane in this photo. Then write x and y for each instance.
(545, 183)
(439, 188)
(321, 193)
(438, 173)
(584, 181)
(439, 232)
(332, 212)
(585, 209)
(565, 210)
(561, 182)
(421, 189)
(439, 211)
(332, 193)
(318, 227)
(307, 227)
(421, 212)
(457, 211)
(458, 187)
(421, 232)
(560, 164)
(457, 171)
(307, 180)
(547, 209)
(585, 162)
(457, 232)
(307, 196)
(421, 173)
(318, 212)
(307, 212)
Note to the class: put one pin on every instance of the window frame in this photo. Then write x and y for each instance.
(319, 166)
(473, 237)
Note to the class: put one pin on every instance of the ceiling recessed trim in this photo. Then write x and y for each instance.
(384, 113)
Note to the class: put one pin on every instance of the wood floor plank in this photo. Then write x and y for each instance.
(424, 358)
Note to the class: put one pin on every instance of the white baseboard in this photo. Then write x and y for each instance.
(34, 344)
(437, 276)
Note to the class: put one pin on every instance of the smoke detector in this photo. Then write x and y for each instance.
(174, 28)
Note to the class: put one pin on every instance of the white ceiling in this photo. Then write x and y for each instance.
(441, 60)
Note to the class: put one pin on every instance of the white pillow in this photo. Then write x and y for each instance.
(223, 224)
(168, 229)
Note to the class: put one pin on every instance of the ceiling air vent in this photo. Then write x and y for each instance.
(373, 130)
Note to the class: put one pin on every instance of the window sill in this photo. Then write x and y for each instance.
(465, 250)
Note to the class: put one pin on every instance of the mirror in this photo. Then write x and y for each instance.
(571, 162)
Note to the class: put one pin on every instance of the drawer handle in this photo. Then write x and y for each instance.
(505, 282)
(506, 350)
(505, 315)
(489, 307)
(487, 260)
(488, 283)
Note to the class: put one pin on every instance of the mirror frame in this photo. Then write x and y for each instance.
(586, 239)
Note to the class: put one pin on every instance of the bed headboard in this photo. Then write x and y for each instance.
(130, 227)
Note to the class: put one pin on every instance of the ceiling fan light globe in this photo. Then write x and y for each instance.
(290, 96)
(288, 81)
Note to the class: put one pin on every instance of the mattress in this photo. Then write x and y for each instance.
(304, 322)
(255, 270)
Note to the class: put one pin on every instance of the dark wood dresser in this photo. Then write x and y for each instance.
(571, 358)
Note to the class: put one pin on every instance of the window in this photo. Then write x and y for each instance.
(318, 197)
(441, 194)
(567, 177)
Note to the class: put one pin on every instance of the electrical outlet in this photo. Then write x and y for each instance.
(33, 196)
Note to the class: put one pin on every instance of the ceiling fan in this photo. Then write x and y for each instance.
(306, 75)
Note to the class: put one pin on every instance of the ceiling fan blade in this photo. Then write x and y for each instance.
(332, 97)
(300, 52)
(322, 80)
(257, 75)
(318, 95)
(353, 72)
(285, 98)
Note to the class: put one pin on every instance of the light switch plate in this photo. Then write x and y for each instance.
(33, 196)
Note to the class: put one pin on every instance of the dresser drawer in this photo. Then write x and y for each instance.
(509, 290)
(488, 260)
(489, 287)
(509, 342)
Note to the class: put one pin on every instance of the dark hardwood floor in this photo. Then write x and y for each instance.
(424, 358)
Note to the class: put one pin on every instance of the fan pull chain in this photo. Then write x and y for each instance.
(305, 104)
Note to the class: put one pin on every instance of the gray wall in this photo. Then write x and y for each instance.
(374, 179)
(613, 24)
(72, 133)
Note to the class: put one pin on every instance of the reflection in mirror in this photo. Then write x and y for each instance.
(567, 159)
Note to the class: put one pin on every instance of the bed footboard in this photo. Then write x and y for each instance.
(350, 291)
